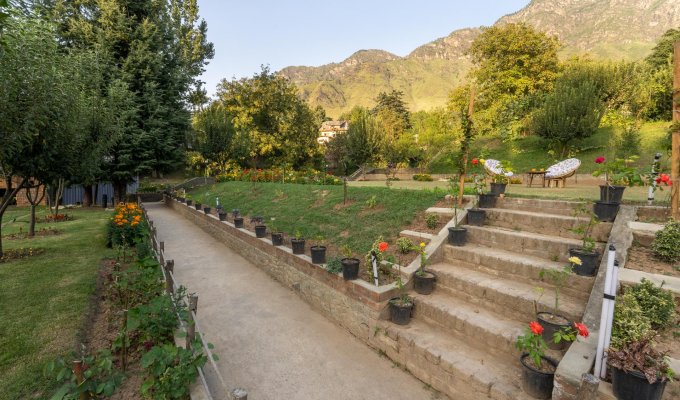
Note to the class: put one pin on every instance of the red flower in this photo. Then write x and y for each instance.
(582, 329)
(382, 246)
(535, 327)
(475, 161)
(599, 160)
(665, 178)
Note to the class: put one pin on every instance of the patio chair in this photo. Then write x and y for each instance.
(561, 171)
(493, 167)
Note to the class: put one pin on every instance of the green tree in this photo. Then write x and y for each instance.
(214, 134)
(659, 84)
(360, 145)
(273, 125)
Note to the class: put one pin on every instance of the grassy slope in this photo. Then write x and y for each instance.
(531, 152)
(318, 210)
(43, 298)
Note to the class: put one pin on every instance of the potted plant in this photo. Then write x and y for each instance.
(586, 254)
(639, 372)
(401, 306)
(318, 251)
(234, 213)
(553, 321)
(350, 265)
(607, 208)
(500, 181)
(222, 215)
(238, 221)
(206, 210)
(277, 235)
(538, 371)
(197, 205)
(298, 243)
(188, 200)
(423, 281)
(457, 234)
(619, 174)
(260, 230)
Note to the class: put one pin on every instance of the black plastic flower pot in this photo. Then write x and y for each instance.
(552, 323)
(222, 215)
(189, 202)
(198, 206)
(234, 212)
(400, 313)
(277, 238)
(238, 222)
(615, 193)
(457, 236)
(206, 210)
(634, 386)
(318, 254)
(498, 189)
(424, 283)
(181, 199)
(487, 200)
(350, 268)
(535, 383)
(476, 216)
(606, 212)
(298, 246)
(260, 231)
(588, 259)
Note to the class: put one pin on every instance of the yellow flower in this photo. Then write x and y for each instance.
(575, 260)
(482, 161)
(422, 244)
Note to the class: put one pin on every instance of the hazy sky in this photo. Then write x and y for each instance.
(250, 33)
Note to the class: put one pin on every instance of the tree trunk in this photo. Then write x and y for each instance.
(34, 199)
(58, 194)
(31, 224)
(5, 203)
(87, 195)
(119, 191)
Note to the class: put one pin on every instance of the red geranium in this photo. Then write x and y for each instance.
(475, 161)
(599, 160)
(535, 327)
(382, 246)
(582, 329)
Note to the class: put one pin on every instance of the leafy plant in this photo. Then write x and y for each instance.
(171, 370)
(155, 320)
(583, 228)
(379, 246)
(532, 342)
(334, 266)
(431, 220)
(423, 259)
(630, 322)
(505, 167)
(559, 278)
(666, 242)
(404, 245)
(656, 303)
(100, 377)
(640, 355)
(372, 202)
(620, 172)
(346, 251)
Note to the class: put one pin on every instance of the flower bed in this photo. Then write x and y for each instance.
(303, 177)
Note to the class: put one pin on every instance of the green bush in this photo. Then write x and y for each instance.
(334, 266)
(656, 303)
(630, 322)
(422, 177)
(431, 220)
(171, 370)
(666, 243)
(404, 245)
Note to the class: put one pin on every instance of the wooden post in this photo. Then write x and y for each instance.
(588, 388)
(169, 268)
(162, 245)
(461, 183)
(123, 350)
(78, 372)
(675, 149)
(191, 325)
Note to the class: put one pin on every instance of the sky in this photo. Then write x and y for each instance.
(250, 33)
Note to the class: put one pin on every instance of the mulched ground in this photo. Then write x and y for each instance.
(42, 232)
(642, 258)
(17, 254)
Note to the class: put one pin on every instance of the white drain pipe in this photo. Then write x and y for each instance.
(374, 261)
(607, 316)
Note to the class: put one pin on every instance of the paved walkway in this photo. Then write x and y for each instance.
(270, 341)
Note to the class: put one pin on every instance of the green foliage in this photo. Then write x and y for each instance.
(393, 103)
(665, 244)
(558, 277)
(629, 143)
(587, 220)
(431, 220)
(662, 53)
(100, 377)
(404, 245)
(630, 322)
(171, 370)
(155, 320)
(533, 344)
(375, 247)
(656, 303)
(372, 202)
(423, 177)
(334, 266)
(360, 145)
(641, 356)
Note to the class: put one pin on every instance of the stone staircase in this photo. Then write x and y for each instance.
(485, 298)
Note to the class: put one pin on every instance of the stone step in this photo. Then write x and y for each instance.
(529, 243)
(475, 323)
(508, 297)
(547, 224)
(451, 365)
(558, 207)
(510, 265)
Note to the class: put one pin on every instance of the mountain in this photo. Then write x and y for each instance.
(607, 29)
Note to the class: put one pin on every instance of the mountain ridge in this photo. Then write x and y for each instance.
(605, 29)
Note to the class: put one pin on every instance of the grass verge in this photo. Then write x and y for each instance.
(43, 298)
(319, 210)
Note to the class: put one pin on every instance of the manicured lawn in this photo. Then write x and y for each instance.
(319, 210)
(43, 298)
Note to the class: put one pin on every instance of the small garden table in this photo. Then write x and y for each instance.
(532, 174)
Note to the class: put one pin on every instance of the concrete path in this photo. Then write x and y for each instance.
(269, 341)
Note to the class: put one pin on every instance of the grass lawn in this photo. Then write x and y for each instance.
(319, 210)
(43, 298)
(531, 151)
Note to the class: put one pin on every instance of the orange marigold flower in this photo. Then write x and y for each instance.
(138, 218)
(134, 223)
(535, 327)
(125, 221)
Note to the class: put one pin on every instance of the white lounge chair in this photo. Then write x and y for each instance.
(493, 167)
(561, 171)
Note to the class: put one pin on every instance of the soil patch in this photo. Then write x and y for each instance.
(18, 254)
(49, 231)
(669, 338)
(642, 258)
(55, 218)
(342, 206)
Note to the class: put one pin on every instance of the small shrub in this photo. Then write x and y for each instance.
(372, 202)
(431, 220)
(101, 377)
(630, 322)
(422, 178)
(171, 370)
(665, 245)
(404, 245)
(656, 303)
(334, 266)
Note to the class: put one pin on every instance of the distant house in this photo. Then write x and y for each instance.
(20, 199)
(329, 129)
